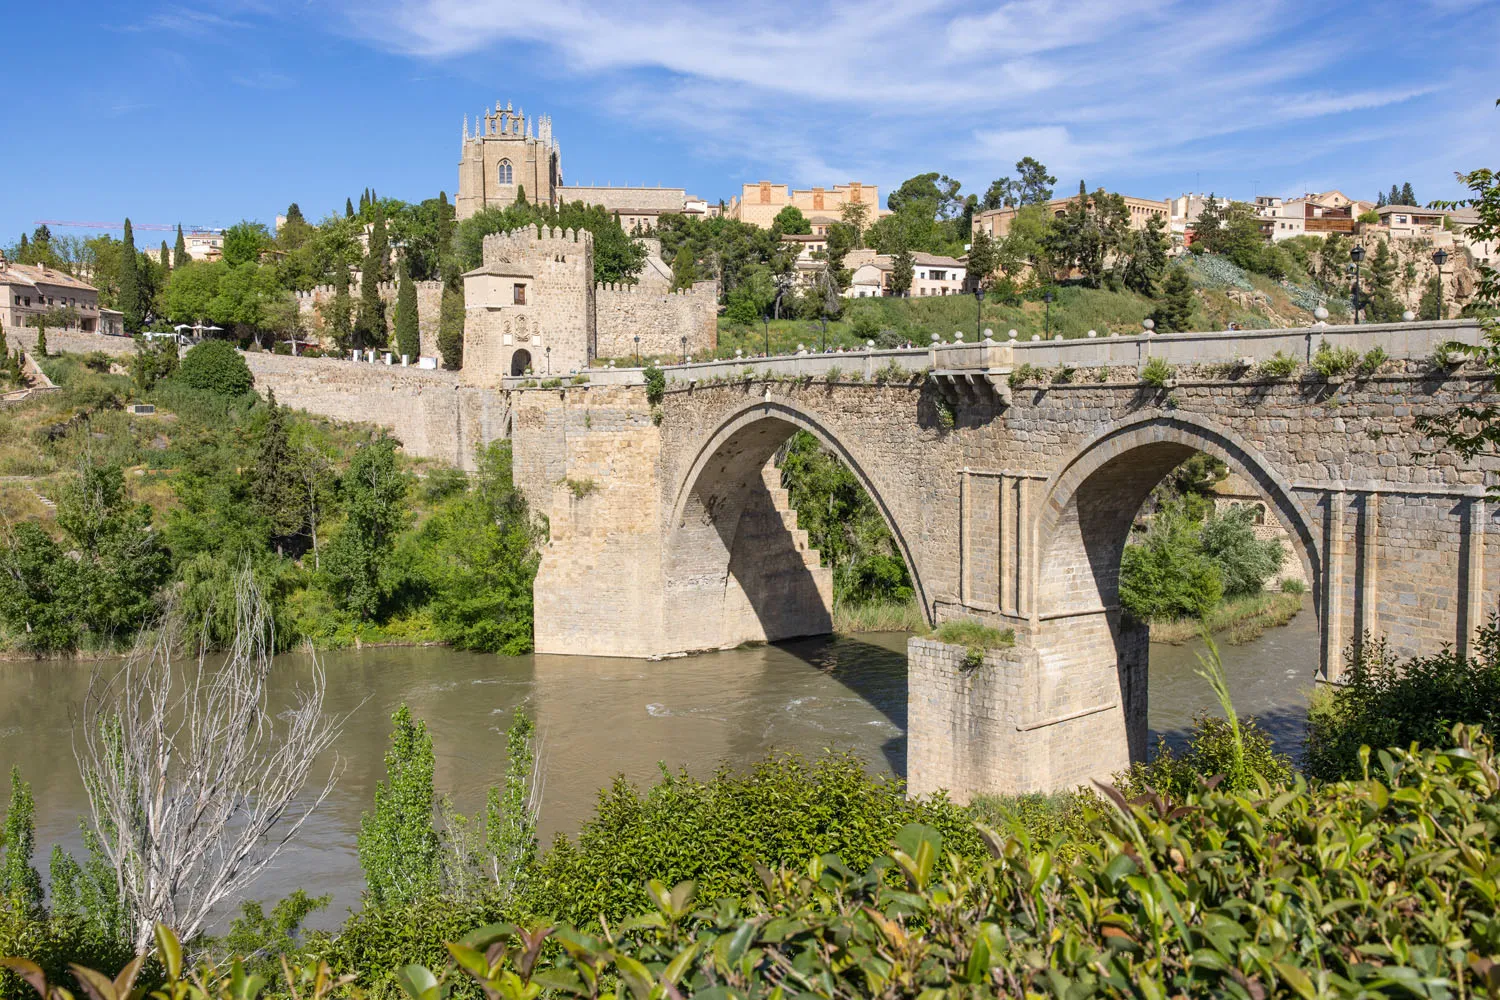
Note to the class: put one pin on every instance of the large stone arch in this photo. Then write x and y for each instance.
(1092, 664)
(732, 575)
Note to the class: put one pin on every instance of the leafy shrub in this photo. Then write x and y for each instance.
(783, 812)
(1372, 360)
(656, 385)
(1342, 890)
(1156, 372)
(1381, 701)
(1210, 753)
(1292, 585)
(215, 366)
(1167, 575)
(551, 383)
(1330, 361)
(55, 943)
(1022, 374)
(1278, 365)
(1245, 562)
(833, 375)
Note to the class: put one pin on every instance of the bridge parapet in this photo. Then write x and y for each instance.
(992, 358)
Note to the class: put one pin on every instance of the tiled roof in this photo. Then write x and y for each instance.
(1410, 210)
(32, 275)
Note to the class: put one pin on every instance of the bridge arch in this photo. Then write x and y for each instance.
(731, 574)
(1088, 651)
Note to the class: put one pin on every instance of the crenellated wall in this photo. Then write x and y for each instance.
(429, 303)
(660, 318)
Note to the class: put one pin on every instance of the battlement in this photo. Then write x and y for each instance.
(530, 242)
(707, 289)
(513, 123)
(320, 292)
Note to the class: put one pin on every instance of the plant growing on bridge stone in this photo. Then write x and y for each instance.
(1156, 372)
(1277, 366)
(833, 375)
(1022, 374)
(1331, 362)
(1372, 360)
(656, 385)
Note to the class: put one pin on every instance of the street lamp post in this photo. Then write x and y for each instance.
(683, 353)
(1440, 257)
(1047, 296)
(637, 350)
(979, 310)
(549, 359)
(1356, 254)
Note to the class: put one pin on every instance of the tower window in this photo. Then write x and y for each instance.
(505, 172)
(519, 293)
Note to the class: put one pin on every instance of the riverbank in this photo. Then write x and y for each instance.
(1235, 621)
(881, 617)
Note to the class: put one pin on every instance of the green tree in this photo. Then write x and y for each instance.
(1167, 575)
(1333, 258)
(180, 256)
(1033, 185)
(903, 269)
(132, 301)
(1088, 232)
(1208, 227)
(790, 221)
(408, 336)
(684, 269)
(19, 881)
(984, 258)
(244, 242)
(378, 256)
(398, 847)
(338, 311)
(1244, 562)
(1408, 196)
(152, 362)
(1431, 304)
(374, 492)
(1174, 310)
(1145, 256)
(369, 318)
(164, 256)
(1380, 302)
(277, 484)
(348, 209)
(215, 366)
(451, 326)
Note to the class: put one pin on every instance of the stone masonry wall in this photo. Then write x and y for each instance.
(660, 318)
(428, 411)
(429, 303)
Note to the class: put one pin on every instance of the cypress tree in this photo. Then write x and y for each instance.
(451, 317)
(179, 252)
(1175, 309)
(1430, 305)
(166, 257)
(131, 303)
(520, 194)
(408, 336)
(348, 209)
(380, 246)
(336, 314)
(369, 321)
(1380, 302)
(444, 230)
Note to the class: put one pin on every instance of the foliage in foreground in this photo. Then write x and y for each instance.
(1383, 886)
(1381, 701)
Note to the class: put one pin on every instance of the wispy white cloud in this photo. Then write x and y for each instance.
(1115, 89)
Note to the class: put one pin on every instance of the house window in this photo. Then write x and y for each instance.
(519, 291)
(506, 175)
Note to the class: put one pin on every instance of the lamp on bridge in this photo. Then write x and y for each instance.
(1440, 257)
(1048, 297)
(683, 353)
(637, 350)
(549, 359)
(979, 311)
(1356, 254)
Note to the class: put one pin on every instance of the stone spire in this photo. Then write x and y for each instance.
(466, 128)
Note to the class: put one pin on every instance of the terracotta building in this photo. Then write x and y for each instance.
(34, 290)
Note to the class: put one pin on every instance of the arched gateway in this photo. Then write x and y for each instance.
(1011, 504)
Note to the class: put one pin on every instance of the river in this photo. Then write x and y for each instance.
(602, 717)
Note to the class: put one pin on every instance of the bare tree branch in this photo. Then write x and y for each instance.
(193, 785)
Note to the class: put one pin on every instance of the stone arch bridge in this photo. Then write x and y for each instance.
(1009, 475)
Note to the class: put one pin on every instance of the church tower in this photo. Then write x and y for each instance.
(507, 152)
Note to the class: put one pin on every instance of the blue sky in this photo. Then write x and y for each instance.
(207, 113)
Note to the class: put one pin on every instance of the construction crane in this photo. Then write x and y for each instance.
(151, 226)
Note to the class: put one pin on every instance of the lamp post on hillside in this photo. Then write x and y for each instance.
(1047, 296)
(683, 353)
(1440, 257)
(979, 308)
(1356, 254)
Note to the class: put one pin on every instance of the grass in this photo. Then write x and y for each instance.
(1240, 619)
(882, 617)
(977, 639)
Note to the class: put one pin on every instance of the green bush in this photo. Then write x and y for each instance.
(55, 943)
(1383, 886)
(215, 366)
(1167, 575)
(1210, 753)
(1277, 366)
(1245, 562)
(1381, 701)
(1156, 372)
(782, 812)
(1330, 361)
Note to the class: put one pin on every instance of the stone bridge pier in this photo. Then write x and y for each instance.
(1009, 476)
